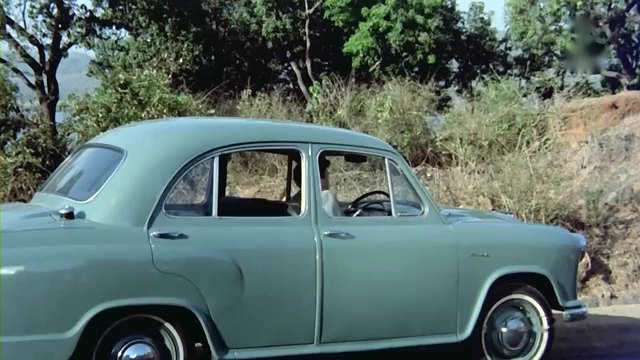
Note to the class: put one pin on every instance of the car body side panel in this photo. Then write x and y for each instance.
(257, 275)
(488, 251)
(53, 282)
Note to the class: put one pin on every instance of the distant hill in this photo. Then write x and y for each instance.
(72, 77)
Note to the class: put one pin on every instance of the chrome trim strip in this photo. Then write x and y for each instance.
(391, 199)
(214, 183)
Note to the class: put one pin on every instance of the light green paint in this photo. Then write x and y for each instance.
(271, 287)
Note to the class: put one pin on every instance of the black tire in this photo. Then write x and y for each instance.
(141, 333)
(516, 322)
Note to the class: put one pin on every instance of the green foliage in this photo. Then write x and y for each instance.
(498, 121)
(410, 37)
(479, 52)
(537, 31)
(128, 96)
(27, 160)
(576, 37)
(395, 111)
(11, 119)
(175, 56)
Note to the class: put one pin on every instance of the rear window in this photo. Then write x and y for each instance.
(84, 174)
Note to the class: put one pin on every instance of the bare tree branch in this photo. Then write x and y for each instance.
(310, 11)
(307, 34)
(301, 83)
(24, 55)
(630, 5)
(33, 40)
(18, 72)
(24, 14)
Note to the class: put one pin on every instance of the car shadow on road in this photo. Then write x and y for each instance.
(601, 337)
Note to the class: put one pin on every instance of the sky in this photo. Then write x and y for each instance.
(496, 6)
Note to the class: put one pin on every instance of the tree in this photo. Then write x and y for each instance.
(41, 33)
(413, 38)
(299, 39)
(480, 52)
(600, 36)
(11, 118)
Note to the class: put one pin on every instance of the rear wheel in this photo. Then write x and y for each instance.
(515, 323)
(142, 336)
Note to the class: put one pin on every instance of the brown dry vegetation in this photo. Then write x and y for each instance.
(570, 163)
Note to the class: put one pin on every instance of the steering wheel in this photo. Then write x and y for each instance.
(354, 208)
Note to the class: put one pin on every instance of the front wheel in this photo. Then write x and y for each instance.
(515, 323)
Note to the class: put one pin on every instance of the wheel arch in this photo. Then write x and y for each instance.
(537, 278)
(198, 320)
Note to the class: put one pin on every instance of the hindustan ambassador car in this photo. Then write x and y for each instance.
(227, 238)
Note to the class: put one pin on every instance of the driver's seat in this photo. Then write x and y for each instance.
(330, 204)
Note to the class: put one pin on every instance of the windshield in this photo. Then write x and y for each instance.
(84, 174)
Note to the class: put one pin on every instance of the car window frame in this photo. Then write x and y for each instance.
(122, 151)
(180, 175)
(302, 148)
(423, 206)
(388, 157)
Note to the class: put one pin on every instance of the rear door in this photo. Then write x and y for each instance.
(256, 268)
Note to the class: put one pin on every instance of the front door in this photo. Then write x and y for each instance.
(388, 271)
(252, 257)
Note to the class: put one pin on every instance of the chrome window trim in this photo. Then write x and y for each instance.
(354, 151)
(182, 173)
(215, 155)
(390, 186)
(421, 201)
(303, 207)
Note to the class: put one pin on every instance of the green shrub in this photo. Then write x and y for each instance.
(497, 119)
(275, 106)
(125, 97)
(27, 161)
(395, 111)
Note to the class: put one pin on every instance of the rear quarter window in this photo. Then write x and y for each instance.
(85, 173)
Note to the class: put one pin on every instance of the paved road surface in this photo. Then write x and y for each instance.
(611, 333)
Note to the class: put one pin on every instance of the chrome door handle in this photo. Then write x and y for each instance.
(338, 235)
(168, 234)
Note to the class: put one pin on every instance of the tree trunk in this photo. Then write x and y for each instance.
(301, 84)
(49, 112)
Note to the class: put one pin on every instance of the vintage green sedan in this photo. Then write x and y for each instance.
(227, 238)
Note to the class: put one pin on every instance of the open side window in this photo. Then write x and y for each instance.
(261, 183)
(245, 183)
(357, 184)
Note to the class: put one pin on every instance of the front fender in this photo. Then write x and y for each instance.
(468, 319)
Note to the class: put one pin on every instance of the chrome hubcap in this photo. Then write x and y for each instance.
(515, 328)
(140, 337)
(514, 333)
(139, 349)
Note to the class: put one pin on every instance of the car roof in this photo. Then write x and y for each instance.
(155, 150)
(206, 133)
